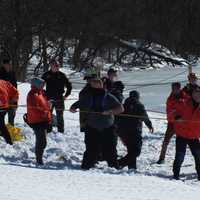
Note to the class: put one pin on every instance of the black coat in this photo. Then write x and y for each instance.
(94, 103)
(82, 115)
(56, 82)
(133, 124)
(8, 76)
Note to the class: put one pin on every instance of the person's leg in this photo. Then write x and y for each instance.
(50, 127)
(59, 114)
(168, 135)
(92, 148)
(4, 131)
(109, 146)
(134, 146)
(40, 144)
(134, 151)
(124, 160)
(195, 149)
(11, 116)
(181, 144)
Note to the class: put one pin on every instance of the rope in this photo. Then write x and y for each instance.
(122, 115)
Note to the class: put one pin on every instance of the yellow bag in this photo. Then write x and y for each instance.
(15, 133)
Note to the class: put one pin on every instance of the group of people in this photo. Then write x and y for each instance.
(183, 115)
(105, 116)
(40, 103)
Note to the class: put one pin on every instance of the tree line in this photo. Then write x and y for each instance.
(84, 29)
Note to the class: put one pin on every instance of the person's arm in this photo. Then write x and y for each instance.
(114, 111)
(145, 118)
(74, 107)
(171, 111)
(13, 95)
(68, 85)
(115, 106)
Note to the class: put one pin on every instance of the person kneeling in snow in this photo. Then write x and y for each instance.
(100, 137)
(130, 129)
(8, 96)
(39, 116)
(187, 129)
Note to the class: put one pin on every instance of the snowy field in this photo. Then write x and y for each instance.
(61, 178)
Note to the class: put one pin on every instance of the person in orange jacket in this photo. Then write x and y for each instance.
(39, 116)
(173, 99)
(8, 97)
(187, 129)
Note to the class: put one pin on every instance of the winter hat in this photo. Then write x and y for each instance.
(37, 82)
(90, 73)
(111, 71)
(134, 94)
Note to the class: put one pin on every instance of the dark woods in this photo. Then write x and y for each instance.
(81, 30)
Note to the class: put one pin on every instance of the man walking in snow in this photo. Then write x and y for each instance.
(99, 134)
(130, 129)
(172, 101)
(56, 82)
(89, 76)
(187, 129)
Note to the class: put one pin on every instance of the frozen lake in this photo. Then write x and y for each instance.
(153, 96)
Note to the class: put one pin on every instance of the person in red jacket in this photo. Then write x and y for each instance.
(187, 129)
(8, 96)
(172, 101)
(39, 116)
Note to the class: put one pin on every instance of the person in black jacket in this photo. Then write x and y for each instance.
(99, 133)
(130, 129)
(56, 82)
(87, 89)
(7, 74)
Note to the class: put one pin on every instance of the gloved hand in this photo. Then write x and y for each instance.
(72, 110)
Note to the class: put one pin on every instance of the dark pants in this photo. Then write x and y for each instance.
(3, 128)
(40, 143)
(133, 144)
(168, 135)
(11, 115)
(59, 107)
(97, 142)
(181, 145)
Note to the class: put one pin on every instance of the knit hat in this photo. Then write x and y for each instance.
(37, 82)
(134, 94)
(90, 74)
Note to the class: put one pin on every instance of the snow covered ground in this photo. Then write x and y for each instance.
(61, 177)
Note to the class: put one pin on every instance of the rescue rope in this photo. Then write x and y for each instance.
(89, 112)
